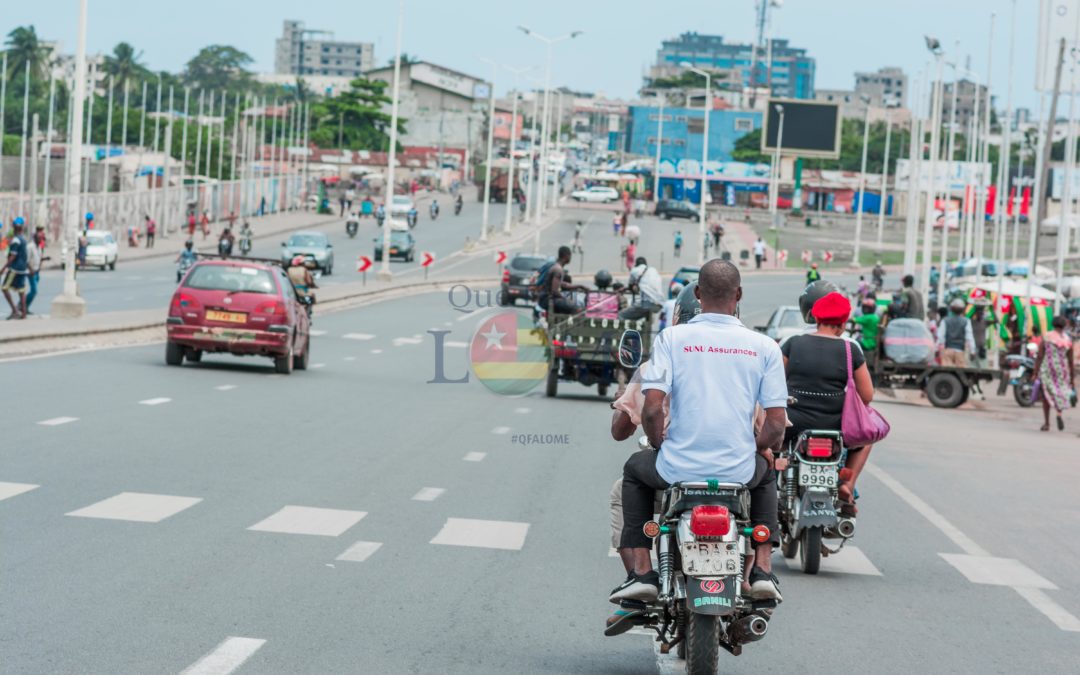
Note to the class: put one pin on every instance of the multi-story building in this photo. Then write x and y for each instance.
(966, 92)
(791, 74)
(885, 87)
(304, 51)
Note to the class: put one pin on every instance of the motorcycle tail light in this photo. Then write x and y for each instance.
(506, 275)
(710, 520)
(819, 447)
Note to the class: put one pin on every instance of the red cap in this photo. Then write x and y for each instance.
(834, 308)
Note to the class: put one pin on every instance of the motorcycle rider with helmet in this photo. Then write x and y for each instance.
(225, 242)
(458, 203)
(434, 209)
(185, 259)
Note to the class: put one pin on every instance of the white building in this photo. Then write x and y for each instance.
(306, 51)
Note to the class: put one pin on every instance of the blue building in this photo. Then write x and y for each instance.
(681, 146)
(792, 74)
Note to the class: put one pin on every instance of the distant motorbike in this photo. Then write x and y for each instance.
(182, 266)
(434, 211)
(352, 225)
(457, 208)
(225, 246)
(808, 498)
(380, 217)
(412, 217)
(1022, 378)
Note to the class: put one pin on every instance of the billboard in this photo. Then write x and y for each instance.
(811, 128)
(503, 129)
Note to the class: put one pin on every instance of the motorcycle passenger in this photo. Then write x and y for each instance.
(817, 376)
(301, 278)
(554, 284)
(245, 237)
(605, 304)
(646, 281)
(704, 440)
(955, 337)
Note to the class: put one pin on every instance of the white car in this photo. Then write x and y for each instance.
(596, 194)
(784, 323)
(101, 250)
(401, 205)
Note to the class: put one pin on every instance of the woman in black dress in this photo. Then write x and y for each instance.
(817, 376)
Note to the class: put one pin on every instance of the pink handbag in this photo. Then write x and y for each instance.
(860, 424)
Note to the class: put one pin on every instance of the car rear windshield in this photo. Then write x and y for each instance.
(234, 278)
(791, 319)
(687, 276)
(527, 263)
(399, 238)
(306, 240)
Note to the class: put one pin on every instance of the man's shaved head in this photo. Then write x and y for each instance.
(719, 281)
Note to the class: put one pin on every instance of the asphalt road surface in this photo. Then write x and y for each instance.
(356, 519)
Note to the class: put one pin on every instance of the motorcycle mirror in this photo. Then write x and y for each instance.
(630, 348)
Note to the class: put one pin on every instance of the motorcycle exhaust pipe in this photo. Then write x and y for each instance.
(846, 528)
(749, 629)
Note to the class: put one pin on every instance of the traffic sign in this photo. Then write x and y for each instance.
(500, 257)
(363, 263)
(426, 258)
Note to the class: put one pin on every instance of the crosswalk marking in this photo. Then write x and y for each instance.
(154, 401)
(474, 456)
(497, 534)
(358, 336)
(57, 421)
(138, 507)
(360, 551)
(8, 490)
(850, 560)
(226, 657)
(309, 520)
(428, 494)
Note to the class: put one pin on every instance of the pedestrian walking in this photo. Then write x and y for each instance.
(576, 248)
(232, 220)
(1056, 370)
(717, 235)
(262, 206)
(678, 243)
(812, 274)
(759, 253)
(151, 231)
(13, 275)
(878, 275)
(205, 222)
(191, 224)
(631, 254)
(616, 225)
(34, 259)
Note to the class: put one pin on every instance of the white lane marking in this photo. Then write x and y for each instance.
(499, 534)
(448, 323)
(500, 431)
(360, 551)
(8, 490)
(850, 560)
(316, 333)
(358, 336)
(474, 457)
(226, 657)
(398, 341)
(154, 401)
(376, 351)
(428, 494)
(453, 343)
(317, 365)
(309, 520)
(225, 387)
(997, 571)
(350, 358)
(936, 519)
(1053, 611)
(521, 411)
(138, 507)
(57, 421)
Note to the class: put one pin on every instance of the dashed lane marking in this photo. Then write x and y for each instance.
(376, 351)
(226, 657)
(996, 571)
(8, 490)
(474, 457)
(521, 411)
(225, 387)
(1053, 611)
(138, 507)
(360, 551)
(500, 431)
(850, 560)
(497, 534)
(309, 520)
(154, 401)
(428, 494)
(358, 336)
(315, 366)
(350, 358)
(316, 333)
(57, 421)
(399, 341)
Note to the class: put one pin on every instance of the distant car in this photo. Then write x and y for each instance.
(246, 308)
(401, 205)
(596, 195)
(402, 245)
(675, 208)
(101, 250)
(518, 276)
(315, 246)
(785, 322)
(685, 276)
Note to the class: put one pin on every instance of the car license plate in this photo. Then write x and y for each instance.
(813, 475)
(393, 250)
(228, 317)
(710, 558)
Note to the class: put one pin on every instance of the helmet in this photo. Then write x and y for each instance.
(602, 279)
(297, 261)
(811, 294)
(18, 220)
(687, 306)
(675, 289)
(813, 266)
(89, 216)
(957, 305)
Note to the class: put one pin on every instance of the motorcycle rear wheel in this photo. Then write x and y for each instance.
(702, 643)
(1022, 392)
(810, 550)
(789, 545)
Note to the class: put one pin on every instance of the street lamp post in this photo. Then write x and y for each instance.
(935, 128)
(884, 180)
(951, 148)
(862, 183)
(388, 199)
(490, 143)
(68, 304)
(510, 169)
(774, 188)
(704, 157)
(659, 145)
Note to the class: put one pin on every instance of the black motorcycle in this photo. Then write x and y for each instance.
(457, 208)
(225, 247)
(1021, 375)
(352, 225)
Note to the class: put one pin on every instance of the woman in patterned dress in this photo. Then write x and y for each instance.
(1054, 368)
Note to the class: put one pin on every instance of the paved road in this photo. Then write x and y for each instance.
(354, 519)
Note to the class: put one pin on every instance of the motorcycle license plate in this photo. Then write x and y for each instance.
(1014, 373)
(229, 317)
(710, 558)
(817, 476)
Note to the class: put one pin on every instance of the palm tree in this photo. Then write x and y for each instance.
(124, 65)
(24, 47)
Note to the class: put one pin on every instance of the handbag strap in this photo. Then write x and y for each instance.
(850, 373)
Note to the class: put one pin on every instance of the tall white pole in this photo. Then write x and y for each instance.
(862, 187)
(1005, 157)
(928, 216)
(48, 141)
(915, 159)
(659, 145)
(68, 304)
(153, 169)
(384, 272)
(1065, 220)
(980, 232)
(490, 142)
(884, 181)
(274, 187)
(233, 192)
(510, 171)
(3, 100)
(971, 185)
(105, 163)
(166, 170)
(183, 163)
(943, 265)
(541, 205)
(704, 168)
(534, 192)
(774, 188)
(1036, 193)
(25, 122)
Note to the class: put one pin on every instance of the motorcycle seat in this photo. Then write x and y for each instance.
(682, 497)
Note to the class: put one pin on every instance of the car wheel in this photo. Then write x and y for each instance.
(174, 354)
(301, 362)
(284, 364)
(666, 216)
(697, 218)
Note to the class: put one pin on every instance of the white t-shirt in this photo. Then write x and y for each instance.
(759, 247)
(667, 311)
(33, 257)
(716, 370)
(648, 281)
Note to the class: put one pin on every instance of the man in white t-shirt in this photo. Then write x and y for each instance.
(715, 371)
(645, 281)
(759, 252)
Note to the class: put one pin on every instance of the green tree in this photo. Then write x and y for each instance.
(406, 59)
(24, 47)
(357, 116)
(219, 67)
(125, 67)
(748, 148)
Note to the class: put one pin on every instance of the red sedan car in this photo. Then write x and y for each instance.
(243, 307)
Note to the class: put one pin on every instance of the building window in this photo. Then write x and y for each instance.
(744, 124)
(679, 143)
(696, 125)
(680, 118)
(656, 118)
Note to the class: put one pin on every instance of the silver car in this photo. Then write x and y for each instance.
(315, 246)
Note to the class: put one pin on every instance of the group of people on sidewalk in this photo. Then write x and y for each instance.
(21, 268)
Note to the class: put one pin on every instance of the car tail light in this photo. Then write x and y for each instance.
(564, 350)
(710, 520)
(273, 308)
(819, 447)
(506, 275)
(183, 302)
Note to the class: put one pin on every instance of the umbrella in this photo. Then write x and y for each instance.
(1017, 289)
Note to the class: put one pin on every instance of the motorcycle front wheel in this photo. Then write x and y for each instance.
(702, 643)
(1023, 392)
